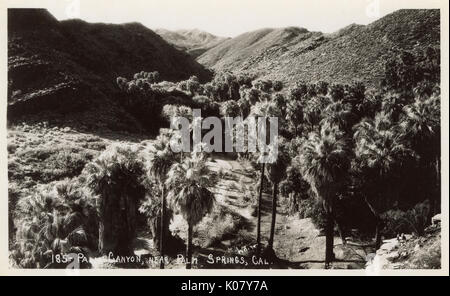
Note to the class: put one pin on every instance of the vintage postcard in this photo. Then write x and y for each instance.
(251, 137)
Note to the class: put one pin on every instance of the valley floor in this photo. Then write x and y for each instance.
(40, 155)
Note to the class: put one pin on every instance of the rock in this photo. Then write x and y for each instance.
(417, 248)
(301, 250)
(407, 236)
(436, 219)
(66, 129)
(389, 245)
(404, 254)
(392, 256)
(397, 265)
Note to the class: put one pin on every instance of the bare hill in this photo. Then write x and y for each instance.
(195, 42)
(356, 52)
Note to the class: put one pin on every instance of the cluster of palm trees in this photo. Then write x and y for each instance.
(338, 140)
(381, 146)
(349, 140)
(183, 182)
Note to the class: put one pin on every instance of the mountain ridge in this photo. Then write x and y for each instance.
(193, 41)
(72, 65)
(353, 53)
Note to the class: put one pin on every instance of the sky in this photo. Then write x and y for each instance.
(228, 18)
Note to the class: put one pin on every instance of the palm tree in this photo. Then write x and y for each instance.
(188, 183)
(276, 172)
(380, 152)
(324, 163)
(117, 176)
(55, 221)
(262, 110)
(421, 127)
(339, 114)
(160, 161)
(313, 110)
(294, 116)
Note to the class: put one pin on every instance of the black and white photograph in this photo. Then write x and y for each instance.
(288, 136)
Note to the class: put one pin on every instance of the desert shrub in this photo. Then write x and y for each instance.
(100, 145)
(277, 85)
(67, 162)
(395, 223)
(171, 111)
(208, 106)
(249, 193)
(58, 220)
(230, 108)
(429, 258)
(244, 238)
(47, 164)
(310, 208)
(14, 194)
(222, 224)
(11, 147)
(413, 220)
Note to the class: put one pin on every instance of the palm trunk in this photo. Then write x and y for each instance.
(258, 227)
(378, 224)
(189, 247)
(274, 215)
(341, 231)
(378, 234)
(162, 231)
(436, 206)
(329, 242)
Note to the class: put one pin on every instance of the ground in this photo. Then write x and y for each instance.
(409, 252)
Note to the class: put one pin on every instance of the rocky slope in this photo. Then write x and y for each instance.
(409, 251)
(356, 52)
(195, 42)
(70, 67)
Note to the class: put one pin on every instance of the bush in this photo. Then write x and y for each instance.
(47, 164)
(412, 221)
(310, 208)
(58, 220)
(221, 225)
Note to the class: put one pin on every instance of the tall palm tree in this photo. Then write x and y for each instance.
(262, 109)
(421, 128)
(380, 152)
(116, 176)
(339, 114)
(160, 160)
(324, 163)
(188, 183)
(276, 172)
(258, 224)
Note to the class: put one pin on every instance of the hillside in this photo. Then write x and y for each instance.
(194, 42)
(356, 52)
(71, 66)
